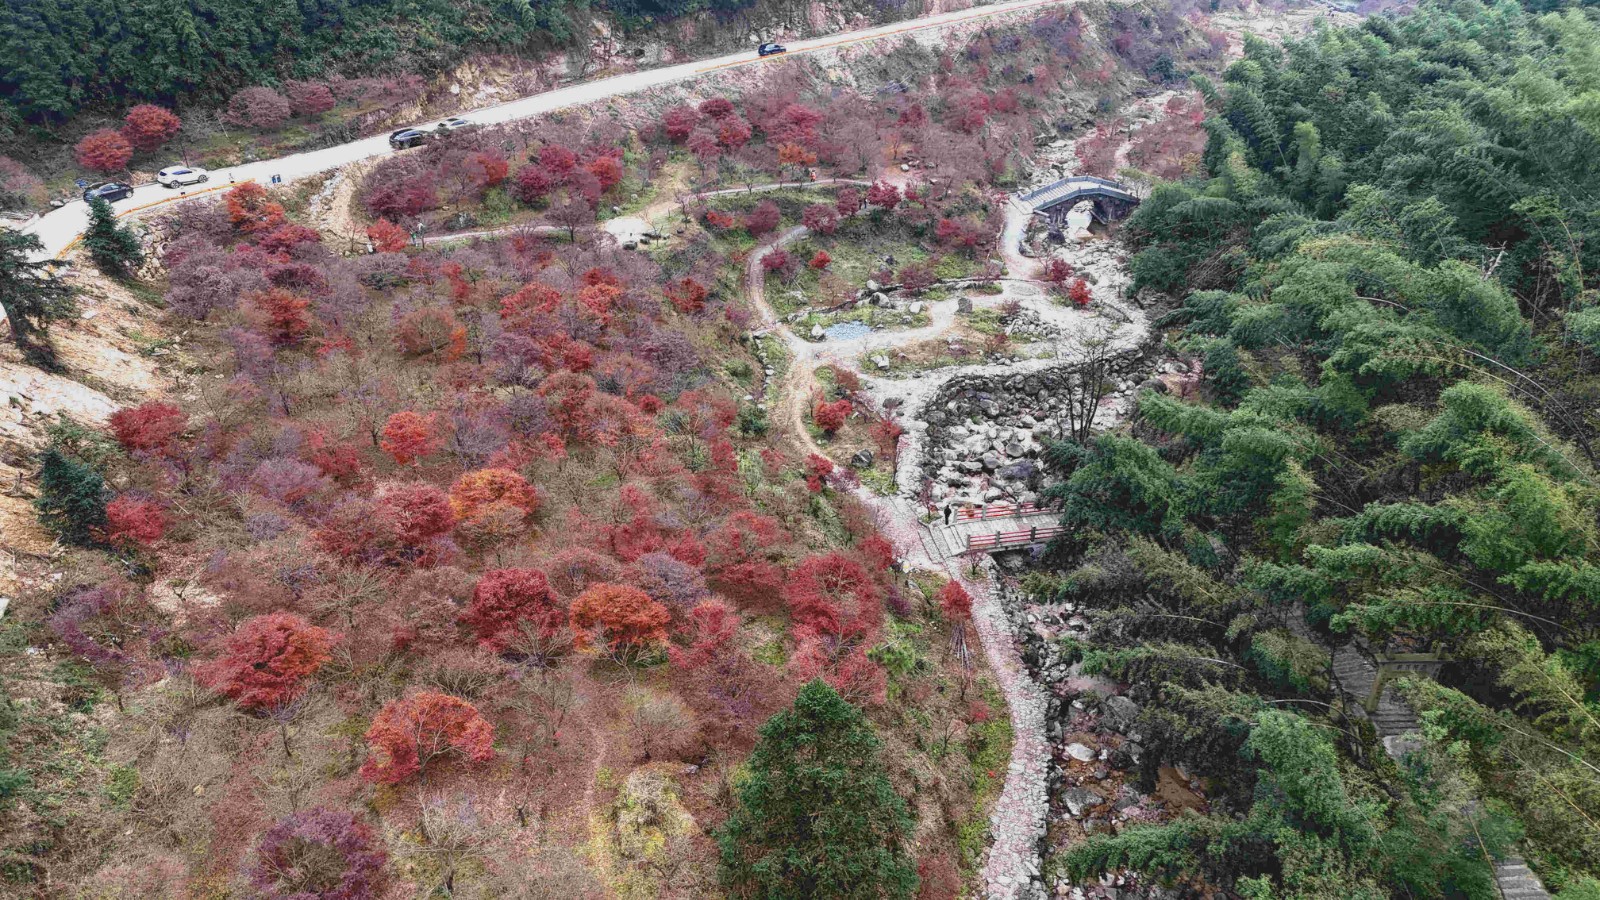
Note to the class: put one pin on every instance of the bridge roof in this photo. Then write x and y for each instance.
(1074, 189)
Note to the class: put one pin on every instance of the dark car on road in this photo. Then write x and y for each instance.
(410, 137)
(771, 49)
(109, 192)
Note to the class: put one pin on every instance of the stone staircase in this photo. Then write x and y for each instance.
(1516, 881)
(1355, 671)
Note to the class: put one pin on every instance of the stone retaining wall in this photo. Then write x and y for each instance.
(995, 425)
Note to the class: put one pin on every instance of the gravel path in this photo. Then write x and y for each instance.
(1011, 868)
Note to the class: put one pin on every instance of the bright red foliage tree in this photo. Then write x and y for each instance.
(284, 317)
(104, 151)
(818, 468)
(504, 600)
(955, 601)
(687, 294)
(387, 237)
(820, 218)
(820, 261)
(847, 202)
(268, 659)
(883, 195)
(487, 168)
(533, 183)
(623, 618)
(251, 210)
(417, 512)
(153, 426)
(830, 417)
(713, 627)
(679, 121)
(607, 170)
(131, 522)
(833, 594)
(1080, 294)
(410, 733)
(408, 436)
(148, 126)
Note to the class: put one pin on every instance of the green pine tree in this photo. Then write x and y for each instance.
(30, 293)
(114, 248)
(72, 497)
(817, 816)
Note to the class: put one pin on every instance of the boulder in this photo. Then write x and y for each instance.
(1080, 800)
(817, 333)
(862, 459)
(915, 308)
(879, 360)
(1118, 713)
(963, 304)
(1079, 752)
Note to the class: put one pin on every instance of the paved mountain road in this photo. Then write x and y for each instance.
(59, 230)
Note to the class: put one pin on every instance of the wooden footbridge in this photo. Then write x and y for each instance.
(995, 527)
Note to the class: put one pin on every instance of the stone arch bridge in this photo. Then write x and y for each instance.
(1112, 200)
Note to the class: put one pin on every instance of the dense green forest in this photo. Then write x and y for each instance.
(66, 56)
(1388, 271)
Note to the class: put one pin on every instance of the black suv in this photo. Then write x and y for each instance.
(409, 137)
(771, 49)
(109, 192)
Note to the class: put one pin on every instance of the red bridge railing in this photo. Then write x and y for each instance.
(1022, 538)
(998, 511)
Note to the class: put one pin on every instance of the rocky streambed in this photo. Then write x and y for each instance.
(1092, 730)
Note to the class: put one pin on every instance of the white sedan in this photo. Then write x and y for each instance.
(454, 123)
(178, 176)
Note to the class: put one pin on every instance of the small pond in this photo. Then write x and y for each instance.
(846, 331)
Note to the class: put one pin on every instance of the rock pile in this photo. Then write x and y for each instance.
(986, 432)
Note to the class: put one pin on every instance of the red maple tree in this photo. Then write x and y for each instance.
(883, 195)
(832, 594)
(476, 492)
(818, 468)
(268, 659)
(387, 237)
(148, 126)
(417, 512)
(504, 600)
(830, 417)
(955, 601)
(284, 317)
(104, 151)
(622, 618)
(410, 733)
(151, 427)
(1080, 294)
(131, 522)
(409, 436)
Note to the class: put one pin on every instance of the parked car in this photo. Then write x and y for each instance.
(770, 49)
(178, 176)
(110, 191)
(409, 137)
(454, 123)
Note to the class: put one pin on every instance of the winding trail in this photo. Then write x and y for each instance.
(1017, 824)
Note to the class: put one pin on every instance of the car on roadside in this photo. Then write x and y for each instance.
(179, 176)
(454, 123)
(771, 49)
(110, 191)
(410, 137)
